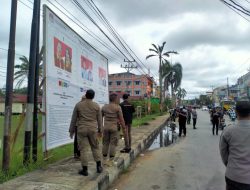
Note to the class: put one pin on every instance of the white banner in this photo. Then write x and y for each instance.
(72, 66)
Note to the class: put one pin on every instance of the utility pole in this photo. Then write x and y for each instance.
(36, 92)
(9, 88)
(31, 79)
(228, 93)
(128, 66)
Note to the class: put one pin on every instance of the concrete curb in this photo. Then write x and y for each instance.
(123, 162)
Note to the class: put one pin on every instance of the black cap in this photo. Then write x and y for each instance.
(90, 94)
(125, 96)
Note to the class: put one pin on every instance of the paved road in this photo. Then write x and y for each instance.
(192, 164)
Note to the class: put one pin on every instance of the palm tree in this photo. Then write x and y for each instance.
(23, 69)
(158, 51)
(172, 74)
(181, 93)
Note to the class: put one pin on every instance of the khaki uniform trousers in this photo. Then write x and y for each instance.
(110, 141)
(86, 138)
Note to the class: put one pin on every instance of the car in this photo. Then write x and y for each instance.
(204, 108)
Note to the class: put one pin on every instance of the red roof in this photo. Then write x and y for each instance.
(20, 98)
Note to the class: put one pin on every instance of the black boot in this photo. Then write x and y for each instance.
(99, 168)
(84, 171)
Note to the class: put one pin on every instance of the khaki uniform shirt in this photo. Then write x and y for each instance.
(112, 114)
(86, 116)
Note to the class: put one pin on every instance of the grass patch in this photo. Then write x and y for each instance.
(144, 120)
(16, 162)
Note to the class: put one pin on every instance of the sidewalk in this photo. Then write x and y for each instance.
(63, 175)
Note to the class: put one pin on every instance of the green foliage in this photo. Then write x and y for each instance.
(167, 104)
(155, 106)
(144, 120)
(205, 100)
(20, 90)
(16, 165)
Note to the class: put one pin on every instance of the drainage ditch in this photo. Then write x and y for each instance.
(167, 135)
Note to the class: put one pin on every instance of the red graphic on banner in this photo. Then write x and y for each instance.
(102, 76)
(62, 55)
(86, 68)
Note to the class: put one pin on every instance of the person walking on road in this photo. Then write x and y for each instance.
(127, 111)
(87, 117)
(112, 114)
(182, 121)
(215, 115)
(235, 151)
(194, 116)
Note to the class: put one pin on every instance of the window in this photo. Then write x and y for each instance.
(137, 82)
(128, 92)
(110, 83)
(118, 83)
(137, 92)
(128, 83)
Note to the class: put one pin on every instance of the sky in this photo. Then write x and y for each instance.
(211, 39)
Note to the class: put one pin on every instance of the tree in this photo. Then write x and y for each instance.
(23, 69)
(181, 93)
(172, 74)
(158, 51)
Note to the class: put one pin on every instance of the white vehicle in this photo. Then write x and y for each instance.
(204, 108)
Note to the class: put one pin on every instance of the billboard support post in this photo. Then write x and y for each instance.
(9, 88)
(31, 79)
(36, 91)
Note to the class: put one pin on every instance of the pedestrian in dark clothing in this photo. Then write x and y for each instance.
(235, 151)
(194, 116)
(127, 111)
(77, 153)
(189, 111)
(215, 120)
(182, 121)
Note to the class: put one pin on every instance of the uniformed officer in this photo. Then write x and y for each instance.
(76, 147)
(127, 111)
(87, 117)
(112, 114)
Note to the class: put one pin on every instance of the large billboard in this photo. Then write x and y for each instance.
(71, 67)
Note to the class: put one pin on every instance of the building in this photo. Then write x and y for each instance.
(18, 104)
(244, 86)
(219, 94)
(132, 84)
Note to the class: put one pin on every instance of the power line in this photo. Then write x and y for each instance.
(7, 51)
(234, 7)
(78, 5)
(235, 11)
(89, 33)
(87, 30)
(142, 72)
(240, 6)
(114, 32)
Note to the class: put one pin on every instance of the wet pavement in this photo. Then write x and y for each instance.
(193, 163)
